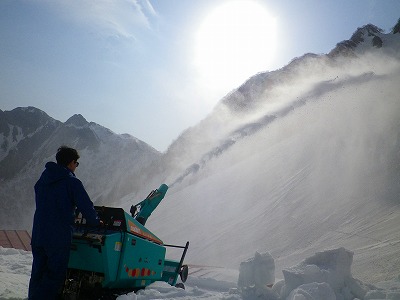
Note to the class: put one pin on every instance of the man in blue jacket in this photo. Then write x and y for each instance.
(57, 194)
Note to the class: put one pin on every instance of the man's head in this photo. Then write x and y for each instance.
(67, 157)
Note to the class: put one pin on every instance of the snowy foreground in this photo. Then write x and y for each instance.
(325, 276)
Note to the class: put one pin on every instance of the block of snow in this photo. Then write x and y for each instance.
(258, 271)
(331, 266)
(277, 287)
(311, 291)
(254, 292)
(356, 287)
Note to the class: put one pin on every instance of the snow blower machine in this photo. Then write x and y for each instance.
(122, 255)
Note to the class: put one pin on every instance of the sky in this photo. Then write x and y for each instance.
(153, 68)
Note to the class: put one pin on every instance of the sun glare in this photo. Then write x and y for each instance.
(235, 41)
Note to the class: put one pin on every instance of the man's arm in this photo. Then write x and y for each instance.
(83, 203)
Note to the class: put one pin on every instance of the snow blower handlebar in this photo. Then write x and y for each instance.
(181, 269)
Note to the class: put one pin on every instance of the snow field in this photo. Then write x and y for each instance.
(324, 276)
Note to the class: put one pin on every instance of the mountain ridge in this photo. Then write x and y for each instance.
(29, 138)
(254, 94)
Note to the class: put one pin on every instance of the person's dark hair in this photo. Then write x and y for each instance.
(65, 155)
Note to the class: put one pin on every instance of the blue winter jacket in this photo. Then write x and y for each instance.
(57, 194)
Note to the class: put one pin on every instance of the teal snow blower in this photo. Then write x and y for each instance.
(122, 255)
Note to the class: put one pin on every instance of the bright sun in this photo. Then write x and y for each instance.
(235, 41)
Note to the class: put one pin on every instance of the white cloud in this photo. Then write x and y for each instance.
(149, 8)
(122, 18)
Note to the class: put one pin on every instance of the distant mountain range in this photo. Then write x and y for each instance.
(291, 162)
(111, 165)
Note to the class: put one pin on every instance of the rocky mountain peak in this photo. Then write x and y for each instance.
(77, 120)
(396, 28)
(28, 119)
(367, 33)
(362, 32)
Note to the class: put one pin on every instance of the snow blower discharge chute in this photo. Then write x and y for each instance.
(122, 255)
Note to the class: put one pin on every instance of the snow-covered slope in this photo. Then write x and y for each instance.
(311, 163)
(268, 95)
